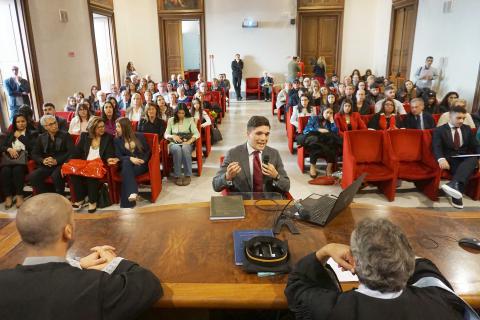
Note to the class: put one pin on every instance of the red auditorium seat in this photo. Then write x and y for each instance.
(302, 153)
(370, 152)
(252, 87)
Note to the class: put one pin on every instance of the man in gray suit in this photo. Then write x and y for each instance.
(253, 166)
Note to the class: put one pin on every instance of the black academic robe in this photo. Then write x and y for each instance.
(313, 294)
(59, 291)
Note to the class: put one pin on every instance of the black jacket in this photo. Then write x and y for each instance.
(442, 142)
(28, 140)
(107, 150)
(123, 153)
(237, 67)
(410, 122)
(64, 148)
(158, 126)
(60, 291)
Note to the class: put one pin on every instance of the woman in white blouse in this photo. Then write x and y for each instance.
(80, 121)
(304, 109)
(197, 112)
(135, 111)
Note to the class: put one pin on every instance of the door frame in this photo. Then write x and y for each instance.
(163, 48)
(398, 4)
(324, 12)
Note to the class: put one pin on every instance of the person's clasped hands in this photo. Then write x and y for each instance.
(100, 257)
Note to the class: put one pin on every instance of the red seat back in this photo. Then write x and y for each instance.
(252, 83)
(302, 123)
(365, 145)
(406, 144)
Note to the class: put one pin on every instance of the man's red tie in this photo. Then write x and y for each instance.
(456, 139)
(257, 173)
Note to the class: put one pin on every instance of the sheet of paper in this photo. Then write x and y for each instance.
(343, 276)
(466, 155)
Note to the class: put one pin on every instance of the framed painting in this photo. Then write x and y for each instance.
(180, 6)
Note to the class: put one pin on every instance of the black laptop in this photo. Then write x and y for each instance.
(321, 209)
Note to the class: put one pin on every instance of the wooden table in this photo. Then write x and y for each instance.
(193, 256)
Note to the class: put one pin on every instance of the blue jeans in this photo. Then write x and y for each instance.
(182, 154)
(13, 111)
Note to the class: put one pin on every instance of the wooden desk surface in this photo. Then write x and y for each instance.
(193, 256)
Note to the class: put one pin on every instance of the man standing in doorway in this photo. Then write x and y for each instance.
(426, 74)
(237, 67)
(17, 90)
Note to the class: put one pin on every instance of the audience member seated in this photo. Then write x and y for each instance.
(181, 95)
(151, 87)
(447, 101)
(452, 139)
(181, 133)
(173, 80)
(361, 86)
(224, 83)
(293, 98)
(78, 96)
(134, 153)
(407, 92)
(93, 144)
(386, 118)
(101, 99)
(462, 103)
(347, 119)
(114, 103)
(362, 105)
(93, 95)
(109, 117)
(147, 97)
(114, 92)
(331, 103)
(374, 94)
(199, 114)
(162, 91)
(27, 112)
(49, 108)
(189, 91)
(80, 121)
(282, 96)
(303, 109)
(135, 112)
(243, 169)
(392, 280)
(333, 83)
(51, 150)
(320, 138)
(124, 103)
(142, 87)
(200, 80)
(266, 82)
(71, 105)
(48, 285)
(347, 80)
(390, 94)
(180, 80)
(306, 84)
(151, 122)
(216, 85)
(173, 100)
(367, 74)
(315, 94)
(431, 104)
(17, 144)
(340, 91)
(416, 118)
(349, 94)
(164, 111)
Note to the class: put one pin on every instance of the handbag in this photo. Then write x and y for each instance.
(103, 200)
(85, 168)
(216, 134)
(9, 161)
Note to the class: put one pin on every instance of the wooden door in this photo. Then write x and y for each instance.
(402, 35)
(319, 35)
(173, 46)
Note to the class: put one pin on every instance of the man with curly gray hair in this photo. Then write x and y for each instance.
(393, 283)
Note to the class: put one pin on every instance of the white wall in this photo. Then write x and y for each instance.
(61, 75)
(138, 36)
(453, 37)
(268, 47)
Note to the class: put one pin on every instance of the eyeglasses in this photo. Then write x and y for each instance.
(51, 124)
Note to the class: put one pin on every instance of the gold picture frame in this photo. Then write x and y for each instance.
(180, 6)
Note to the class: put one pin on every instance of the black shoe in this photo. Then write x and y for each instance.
(456, 203)
(453, 189)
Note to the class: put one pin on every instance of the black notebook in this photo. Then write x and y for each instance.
(227, 207)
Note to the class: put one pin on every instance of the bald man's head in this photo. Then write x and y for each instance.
(42, 219)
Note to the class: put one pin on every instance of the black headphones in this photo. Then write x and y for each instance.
(266, 251)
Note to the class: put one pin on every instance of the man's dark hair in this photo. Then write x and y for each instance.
(389, 88)
(429, 57)
(296, 81)
(374, 86)
(294, 58)
(48, 104)
(457, 109)
(257, 121)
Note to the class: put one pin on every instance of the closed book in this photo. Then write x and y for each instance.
(227, 207)
(241, 236)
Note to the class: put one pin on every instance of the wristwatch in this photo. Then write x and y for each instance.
(229, 182)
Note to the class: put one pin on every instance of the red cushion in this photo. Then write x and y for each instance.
(375, 171)
(415, 170)
(366, 146)
(407, 144)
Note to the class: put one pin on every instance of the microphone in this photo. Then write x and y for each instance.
(265, 159)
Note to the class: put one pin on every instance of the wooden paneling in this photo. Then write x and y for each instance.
(105, 4)
(319, 4)
(174, 46)
(319, 35)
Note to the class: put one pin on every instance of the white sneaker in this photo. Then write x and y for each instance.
(132, 197)
(454, 193)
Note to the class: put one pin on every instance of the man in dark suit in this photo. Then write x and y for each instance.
(17, 90)
(52, 149)
(293, 97)
(237, 69)
(47, 285)
(49, 108)
(452, 139)
(416, 118)
(266, 83)
(253, 166)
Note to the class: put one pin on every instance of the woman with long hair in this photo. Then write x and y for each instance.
(164, 110)
(93, 95)
(181, 132)
(79, 123)
(71, 105)
(93, 144)
(134, 153)
(151, 122)
(198, 113)
(303, 109)
(314, 92)
(18, 140)
(448, 101)
(386, 118)
(109, 117)
(319, 70)
(173, 99)
(130, 69)
(135, 111)
(347, 120)
(407, 92)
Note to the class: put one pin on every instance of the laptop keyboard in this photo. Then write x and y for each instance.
(324, 208)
